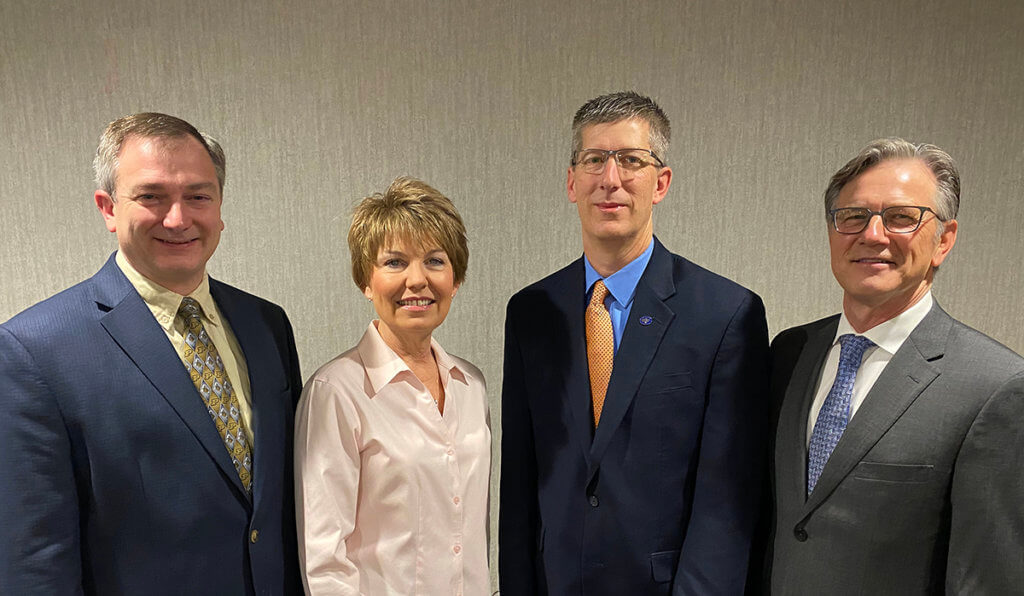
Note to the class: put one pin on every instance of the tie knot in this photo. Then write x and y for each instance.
(599, 294)
(853, 347)
(189, 308)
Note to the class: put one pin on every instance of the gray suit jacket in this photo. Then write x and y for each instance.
(924, 494)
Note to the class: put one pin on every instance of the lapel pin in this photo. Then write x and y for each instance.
(646, 320)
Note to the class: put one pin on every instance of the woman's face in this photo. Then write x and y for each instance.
(411, 287)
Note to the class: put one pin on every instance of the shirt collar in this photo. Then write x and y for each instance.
(891, 334)
(164, 303)
(621, 284)
(384, 366)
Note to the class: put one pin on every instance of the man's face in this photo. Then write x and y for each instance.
(165, 210)
(613, 210)
(879, 269)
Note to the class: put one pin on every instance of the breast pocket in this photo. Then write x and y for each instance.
(886, 472)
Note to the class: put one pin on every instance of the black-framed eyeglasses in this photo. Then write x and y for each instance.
(592, 161)
(898, 219)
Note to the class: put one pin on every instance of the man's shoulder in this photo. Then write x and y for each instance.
(58, 314)
(555, 284)
(230, 297)
(799, 334)
(977, 353)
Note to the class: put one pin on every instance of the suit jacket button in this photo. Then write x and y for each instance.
(593, 500)
(800, 534)
(254, 536)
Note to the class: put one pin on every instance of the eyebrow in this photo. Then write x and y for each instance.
(157, 186)
(398, 253)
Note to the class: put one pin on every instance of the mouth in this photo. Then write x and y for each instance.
(609, 207)
(415, 303)
(872, 261)
(175, 242)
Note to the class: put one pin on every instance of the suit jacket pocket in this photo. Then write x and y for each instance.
(883, 472)
(666, 383)
(663, 565)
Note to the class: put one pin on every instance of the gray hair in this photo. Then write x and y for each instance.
(147, 125)
(941, 165)
(623, 105)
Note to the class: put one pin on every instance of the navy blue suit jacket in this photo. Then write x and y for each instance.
(113, 478)
(662, 497)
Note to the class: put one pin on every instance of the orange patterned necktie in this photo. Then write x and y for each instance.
(211, 380)
(600, 347)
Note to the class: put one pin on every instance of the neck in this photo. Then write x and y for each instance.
(863, 316)
(608, 255)
(412, 348)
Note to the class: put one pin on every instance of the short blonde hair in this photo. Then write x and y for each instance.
(412, 210)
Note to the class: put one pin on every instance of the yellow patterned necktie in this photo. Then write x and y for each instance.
(206, 368)
(600, 347)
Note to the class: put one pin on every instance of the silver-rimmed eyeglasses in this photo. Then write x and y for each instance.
(898, 219)
(592, 161)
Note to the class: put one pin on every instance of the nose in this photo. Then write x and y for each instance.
(611, 178)
(416, 276)
(875, 231)
(177, 216)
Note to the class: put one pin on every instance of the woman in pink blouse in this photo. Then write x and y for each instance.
(392, 445)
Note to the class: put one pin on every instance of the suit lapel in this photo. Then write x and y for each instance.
(908, 373)
(636, 350)
(791, 437)
(260, 351)
(131, 325)
(570, 303)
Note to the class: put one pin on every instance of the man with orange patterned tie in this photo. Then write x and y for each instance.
(633, 411)
(147, 412)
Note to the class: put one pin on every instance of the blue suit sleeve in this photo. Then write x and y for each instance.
(517, 521)
(39, 519)
(731, 460)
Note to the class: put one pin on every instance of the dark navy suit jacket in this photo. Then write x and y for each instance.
(113, 478)
(662, 497)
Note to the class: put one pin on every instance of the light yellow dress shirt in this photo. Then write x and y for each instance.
(391, 495)
(164, 305)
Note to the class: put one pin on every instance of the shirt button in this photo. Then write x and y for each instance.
(456, 549)
(800, 534)
(451, 451)
(593, 501)
(456, 500)
(254, 536)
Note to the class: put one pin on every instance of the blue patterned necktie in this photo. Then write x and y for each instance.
(211, 380)
(835, 412)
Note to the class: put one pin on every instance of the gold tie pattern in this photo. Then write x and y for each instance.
(600, 347)
(206, 368)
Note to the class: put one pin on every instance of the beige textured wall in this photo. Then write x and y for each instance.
(319, 103)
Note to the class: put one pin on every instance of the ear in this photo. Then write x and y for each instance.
(946, 242)
(664, 181)
(368, 293)
(455, 290)
(570, 185)
(105, 203)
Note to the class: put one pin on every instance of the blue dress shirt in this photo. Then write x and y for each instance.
(621, 287)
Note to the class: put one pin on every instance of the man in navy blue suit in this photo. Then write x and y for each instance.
(641, 478)
(146, 413)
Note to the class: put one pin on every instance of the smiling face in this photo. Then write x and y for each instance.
(412, 287)
(881, 271)
(165, 210)
(616, 213)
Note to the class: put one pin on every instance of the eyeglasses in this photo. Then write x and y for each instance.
(592, 161)
(898, 219)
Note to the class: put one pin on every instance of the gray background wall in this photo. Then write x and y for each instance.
(320, 103)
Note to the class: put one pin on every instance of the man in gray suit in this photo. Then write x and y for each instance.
(899, 448)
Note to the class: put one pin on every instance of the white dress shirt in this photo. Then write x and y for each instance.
(887, 336)
(391, 496)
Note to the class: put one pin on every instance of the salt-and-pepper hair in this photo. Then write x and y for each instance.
(623, 105)
(148, 125)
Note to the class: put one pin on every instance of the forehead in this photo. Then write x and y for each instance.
(892, 182)
(629, 132)
(409, 244)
